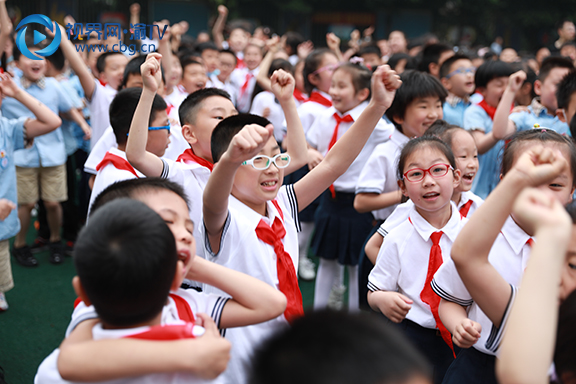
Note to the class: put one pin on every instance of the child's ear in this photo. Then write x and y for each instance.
(363, 94)
(189, 134)
(457, 177)
(80, 292)
(538, 87)
(434, 69)
(178, 276)
(446, 83)
(398, 119)
(561, 114)
(313, 79)
(402, 187)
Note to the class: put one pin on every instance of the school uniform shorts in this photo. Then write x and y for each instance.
(46, 182)
(6, 282)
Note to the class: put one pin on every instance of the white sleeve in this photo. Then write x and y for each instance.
(496, 333)
(313, 134)
(373, 175)
(106, 142)
(397, 217)
(288, 198)
(81, 313)
(208, 303)
(384, 275)
(448, 285)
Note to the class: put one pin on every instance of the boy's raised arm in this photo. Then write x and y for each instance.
(218, 30)
(246, 144)
(384, 85)
(5, 25)
(46, 120)
(472, 246)
(253, 301)
(503, 126)
(283, 88)
(147, 163)
(528, 345)
(77, 64)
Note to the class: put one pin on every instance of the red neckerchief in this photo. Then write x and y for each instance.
(298, 95)
(240, 63)
(318, 98)
(102, 83)
(118, 163)
(465, 208)
(184, 311)
(490, 110)
(169, 108)
(166, 332)
(189, 155)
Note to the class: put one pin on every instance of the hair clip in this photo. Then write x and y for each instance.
(357, 60)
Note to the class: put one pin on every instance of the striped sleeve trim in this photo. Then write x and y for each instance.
(368, 190)
(496, 334)
(373, 287)
(165, 169)
(75, 322)
(383, 232)
(216, 314)
(448, 297)
(293, 200)
(224, 232)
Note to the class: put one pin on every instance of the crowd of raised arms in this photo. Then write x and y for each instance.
(191, 184)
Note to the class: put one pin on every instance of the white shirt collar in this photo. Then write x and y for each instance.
(424, 229)
(354, 112)
(254, 217)
(514, 235)
(399, 138)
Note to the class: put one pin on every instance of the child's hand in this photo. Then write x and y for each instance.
(248, 142)
(385, 82)
(135, 9)
(222, 10)
(152, 72)
(304, 49)
(394, 305)
(6, 206)
(467, 333)
(516, 80)
(282, 85)
(333, 42)
(314, 158)
(540, 165)
(7, 86)
(215, 349)
(537, 209)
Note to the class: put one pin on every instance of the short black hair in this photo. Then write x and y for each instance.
(190, 60)
(312, 64)
(566, 88)
(126, 260)
(57, 59)
(293, 40)
(231, 52)
(397, 57)
(431, 54)
(415, 84)
(417, 143)
(370, 49)
(447, 64)
(444, 131)
(206, 46)
(192, 103)
(490, 70)
(133, 68)
(551, 62)
(131, 188)
(123, 107)
(228, 128)
(327, 347)
(101, 61)
(565, 349)
(361, 76)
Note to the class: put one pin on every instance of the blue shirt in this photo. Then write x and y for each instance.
(454, 108)
(538, 115)
(47, 150)
(11, 139)
(82, 144)
(488, 176)
(68, 126)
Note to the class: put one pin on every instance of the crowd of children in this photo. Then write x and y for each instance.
(430, 184)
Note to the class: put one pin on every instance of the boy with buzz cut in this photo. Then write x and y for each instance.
(457, 76)
(566, 96)
(41, 167)
(251, 221)
(98, 92)
(199, 113)
(542, 110)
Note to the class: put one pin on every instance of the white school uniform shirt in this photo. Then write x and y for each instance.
(238, 78)
(227, 86)
(402, 262)
(99, 107)
(266, 99)
(109, 175)
(310, 110)
(177, 145)
(175, 99)
(198, 302)
(321, 132)
(400, 214)
(509, 256)
(379, 174)
(241, 250)
(192, 177)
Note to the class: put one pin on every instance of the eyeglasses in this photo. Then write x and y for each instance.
(166, 127)
(436, 171)
(262, 162)
(461, 71)
(329, 67)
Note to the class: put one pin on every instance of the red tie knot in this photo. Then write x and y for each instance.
(343, 119)
(530, 242)
(435, 237)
